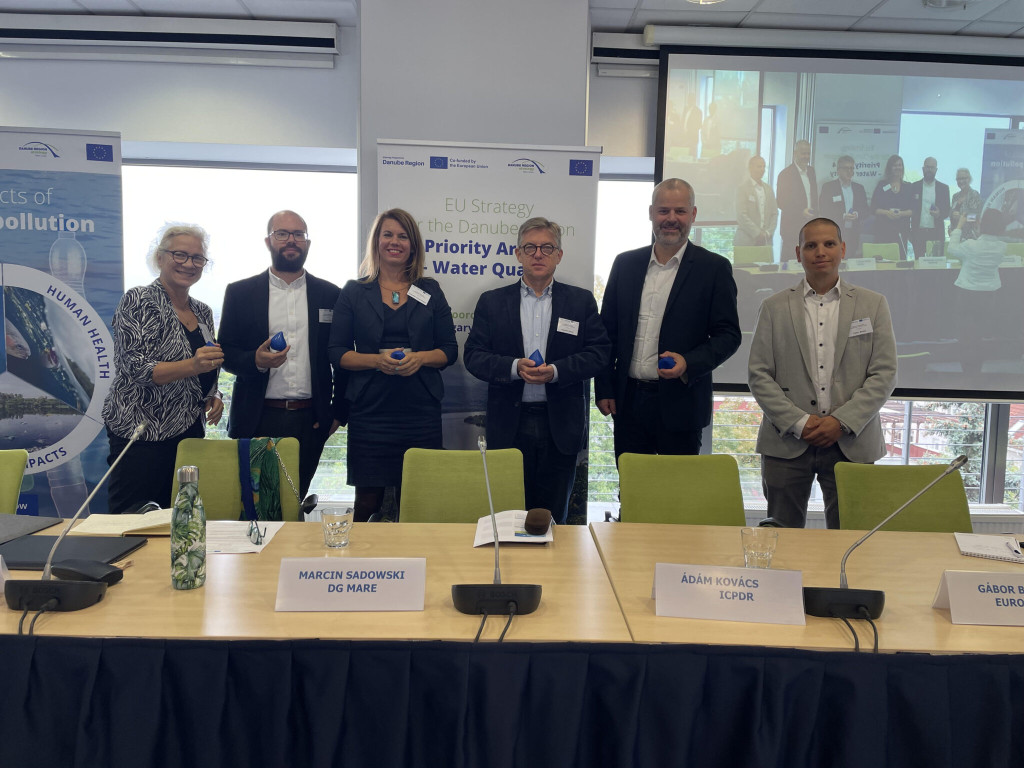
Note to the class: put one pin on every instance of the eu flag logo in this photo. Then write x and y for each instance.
(581, 167)
(103, 153)
(437, 161)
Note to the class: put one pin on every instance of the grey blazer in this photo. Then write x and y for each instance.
(780, 372)
(748, 215)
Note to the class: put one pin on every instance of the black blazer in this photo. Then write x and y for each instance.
(700, 323)
(359, 326)
(244, 325)
(941, 202)
(496, 339)
(830, 208)
(791, 199)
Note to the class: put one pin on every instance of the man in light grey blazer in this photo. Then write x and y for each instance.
(756, 211)
(822, 364)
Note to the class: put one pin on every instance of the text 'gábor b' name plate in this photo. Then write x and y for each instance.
(351, 584)
(982, 597)
(765, 596)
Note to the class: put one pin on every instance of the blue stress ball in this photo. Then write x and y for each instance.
(666, 362)
(537, 358)
(398, 355)
(277, 343)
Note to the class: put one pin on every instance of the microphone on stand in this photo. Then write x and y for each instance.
(497, 598)
(67, 594)
(829, 602)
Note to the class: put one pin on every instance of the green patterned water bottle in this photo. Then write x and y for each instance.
(188, 533)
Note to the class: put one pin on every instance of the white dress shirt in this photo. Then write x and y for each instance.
(821, 323)
(653, 300)
(535, 320)
(289, 313)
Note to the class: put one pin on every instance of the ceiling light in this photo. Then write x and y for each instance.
(705, 2)
(947, 4)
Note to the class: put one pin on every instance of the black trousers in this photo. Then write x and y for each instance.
(639, 427)
(146, 473)
(548, 473)
(277, 422)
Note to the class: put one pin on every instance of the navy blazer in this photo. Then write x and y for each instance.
(245, 325)
(359, 326)
(700, 323)
(832, 208)
(496, 339)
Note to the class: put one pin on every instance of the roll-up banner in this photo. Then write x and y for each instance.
(469, 200)
(62, 275)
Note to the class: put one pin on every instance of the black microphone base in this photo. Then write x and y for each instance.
(70, 595)
(839, 603)
(495, 599)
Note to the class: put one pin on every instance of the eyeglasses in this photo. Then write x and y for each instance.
(282, 235)
(529, 249)
(254, 533)
(184, 257)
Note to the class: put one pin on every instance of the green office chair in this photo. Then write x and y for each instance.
(887, 251)
(12, 470)
(752, 254)
(219, 486)
(694, 490)
(868, 493)
(448, 486)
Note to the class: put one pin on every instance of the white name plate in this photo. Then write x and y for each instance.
(982, 597)
(930, 262)
(351, 584)
(861, 264)
(729, 594)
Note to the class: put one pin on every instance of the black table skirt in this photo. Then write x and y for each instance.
(127, 702)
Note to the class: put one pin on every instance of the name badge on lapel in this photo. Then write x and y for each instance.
(860, 327)
(572, 327)
(326, 315)
(419, 295)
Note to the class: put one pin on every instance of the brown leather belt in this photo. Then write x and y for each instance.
(289, 405)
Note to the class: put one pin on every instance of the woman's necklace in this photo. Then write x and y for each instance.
(396, 296)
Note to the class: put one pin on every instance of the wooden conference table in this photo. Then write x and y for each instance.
(238, 599)
(906, 566)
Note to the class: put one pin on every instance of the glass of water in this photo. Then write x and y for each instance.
(337, 525)
(759, 546)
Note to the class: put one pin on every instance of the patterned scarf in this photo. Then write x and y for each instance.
(260, 478)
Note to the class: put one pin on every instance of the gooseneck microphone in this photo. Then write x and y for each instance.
(63, 594)
(829, 602)
(497, 598)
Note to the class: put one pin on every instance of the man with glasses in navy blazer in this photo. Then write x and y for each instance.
(537, 343)
(293, 391)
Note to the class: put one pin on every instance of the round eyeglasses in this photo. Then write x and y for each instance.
(529, 249)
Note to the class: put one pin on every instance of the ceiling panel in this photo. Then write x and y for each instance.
(799, 21)
(726, 7)
(914, 9)
(1011, 10)
(856, 8)
(706, 18)
(990, 29)
(926, 27)
(611, 20)
(223, 9)
(341, 11)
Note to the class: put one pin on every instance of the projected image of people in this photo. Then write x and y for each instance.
(907, 155)
(978, 279)
(892, 203)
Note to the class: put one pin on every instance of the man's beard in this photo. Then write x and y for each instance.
(283, 264)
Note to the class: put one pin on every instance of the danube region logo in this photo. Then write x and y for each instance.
(39, 149)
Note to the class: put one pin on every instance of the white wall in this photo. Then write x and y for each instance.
(623, 114)
(469, 70)
(188, 102)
